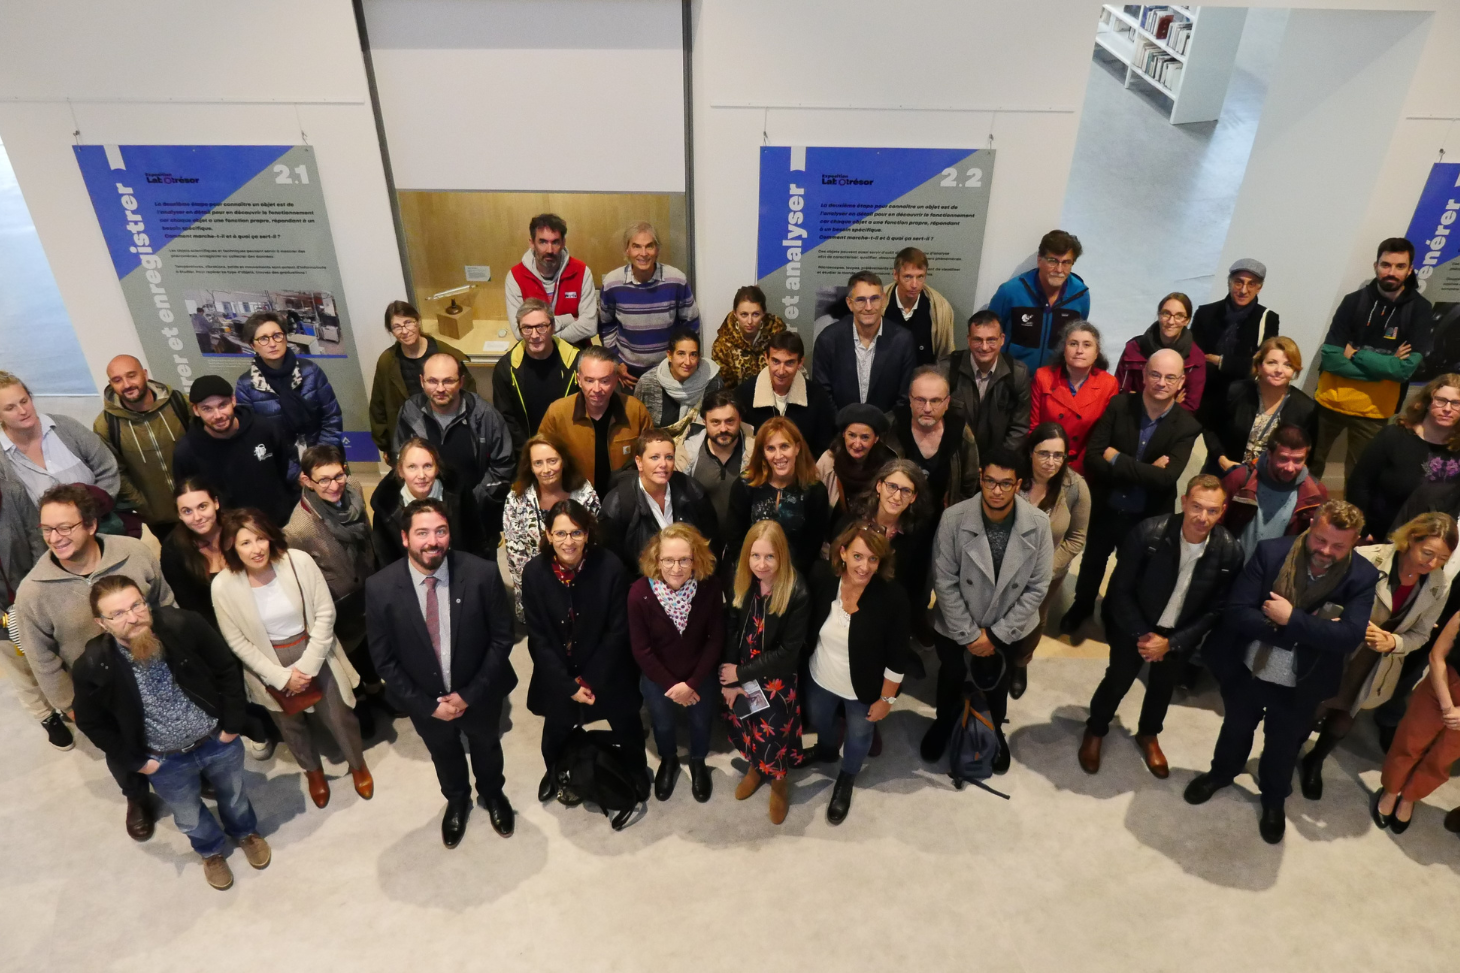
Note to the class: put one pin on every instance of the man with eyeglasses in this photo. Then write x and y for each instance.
(1229, 332)
(990, 388)
(1133, 460)
(247, 457)
(53, 609)
(859, 359)
(939, 441)
(1035, 306)
(992, 561)
(160, 692)
(398, 371)
(535, 372)
(471, 435)
(549, 273)
(914, 305)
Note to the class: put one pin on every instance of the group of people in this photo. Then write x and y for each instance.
(790, 542)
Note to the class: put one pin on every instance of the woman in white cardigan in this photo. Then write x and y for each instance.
(1412, 590)
(275, 610)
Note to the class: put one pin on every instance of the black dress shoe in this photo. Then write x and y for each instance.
(1272, 824)
(1001, 759)
(1310, 778)
(453, 823)
(499, 812)
(841, 798)
(547, 788)
(699, 780)
(666, 778)
(1201, 789)
(1381, 821)
(1018, 681)
(140, 818)
(935, 741)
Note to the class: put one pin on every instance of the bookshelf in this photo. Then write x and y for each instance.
(1185, 53)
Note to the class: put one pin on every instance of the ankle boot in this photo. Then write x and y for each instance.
(780, 800)
(1311, 776)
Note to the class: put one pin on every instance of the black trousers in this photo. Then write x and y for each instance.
(1125, 664)
(482, 727)
(1286, 720)
(627, 729)
(135, 786)
(1107, 528)
(951, 672)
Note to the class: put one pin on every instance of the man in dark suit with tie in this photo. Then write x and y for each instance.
(440, 633)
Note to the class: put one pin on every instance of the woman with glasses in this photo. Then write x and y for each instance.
(1064, 496)
(780, 484)
(1170, 330)
(294, 391)
(743, 341)
(418, 474)
(573, 596)
(674, 391)
(1421, 446)
(1074, 390)
(546, 476)
(1255, 407)
(398, 371)
(677, 630)
(276, 613)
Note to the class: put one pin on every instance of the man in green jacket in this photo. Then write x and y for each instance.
(141, 421)
(398, 371)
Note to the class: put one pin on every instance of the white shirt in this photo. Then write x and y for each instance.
(665, 517)
(282, 621)
(865, 356)
(62, 465)
(443, 610)
(831, 663)
(1190, 554)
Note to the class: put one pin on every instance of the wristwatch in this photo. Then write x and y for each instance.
(889, 700)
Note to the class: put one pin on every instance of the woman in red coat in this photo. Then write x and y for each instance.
(1074, 390)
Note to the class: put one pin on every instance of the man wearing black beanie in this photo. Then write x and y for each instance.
(247, 458)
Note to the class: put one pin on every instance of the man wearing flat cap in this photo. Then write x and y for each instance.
(1230, 332)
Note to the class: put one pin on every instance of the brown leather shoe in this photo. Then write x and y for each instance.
(780, 801)
(217, 872)
(364, 783)
(1090, 753)
(748, 784)
(1154, 758)
(319, 788)
(256, 850)
(140, 819)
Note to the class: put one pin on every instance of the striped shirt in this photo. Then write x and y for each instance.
(634, 319)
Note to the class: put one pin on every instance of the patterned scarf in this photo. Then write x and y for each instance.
(676, 604)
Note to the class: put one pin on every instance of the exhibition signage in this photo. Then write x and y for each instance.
(826, 213)
(202, 236)
(1435, 233)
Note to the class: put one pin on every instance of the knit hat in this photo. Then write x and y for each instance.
(1249, 266)
(861, 412)
(207, 386)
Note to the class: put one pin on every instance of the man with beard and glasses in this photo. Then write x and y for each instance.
(1298, 609)
(717, 450)
(141, 422)
(439, 625)
(548, 273)
(1378, 339)
(160, 693)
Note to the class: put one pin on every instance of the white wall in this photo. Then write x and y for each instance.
(531, 95)
(182, 72)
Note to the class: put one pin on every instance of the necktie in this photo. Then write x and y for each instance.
(433, 616)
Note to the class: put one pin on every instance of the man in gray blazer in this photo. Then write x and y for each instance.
(992, 562)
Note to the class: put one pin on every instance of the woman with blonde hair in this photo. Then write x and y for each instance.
(1253, 408)
(1411, 593)
(276, 613)
(1421, 446)
(677, 631)
(780, 484)
(765, 632)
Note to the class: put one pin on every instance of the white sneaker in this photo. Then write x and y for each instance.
(259, 751)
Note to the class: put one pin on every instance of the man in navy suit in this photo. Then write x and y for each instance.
(861, 359)
(1298, 610)
(440, 631)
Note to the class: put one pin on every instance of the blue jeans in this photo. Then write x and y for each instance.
(662, 717)
(179, 780)
(823, 704)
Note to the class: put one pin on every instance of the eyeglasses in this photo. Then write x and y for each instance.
(64, 530)
(335, 480)
(900, 491)
(137, 609)
(528, 329)
(563, 535)
(676, 562)
(1174, 316)
(269, 339)
(997, 486)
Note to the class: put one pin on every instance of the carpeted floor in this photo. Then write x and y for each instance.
(1074, 872)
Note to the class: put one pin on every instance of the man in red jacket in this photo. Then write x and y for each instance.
(549, 274)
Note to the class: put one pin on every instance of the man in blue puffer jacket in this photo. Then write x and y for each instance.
(1036, 306)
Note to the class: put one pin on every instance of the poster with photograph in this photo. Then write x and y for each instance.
(826, 213)
(202, 236)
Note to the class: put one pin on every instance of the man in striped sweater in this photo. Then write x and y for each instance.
(640, 303)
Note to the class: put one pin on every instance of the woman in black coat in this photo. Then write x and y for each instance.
(418, 474)
(627, 522)
(859, 622)
(573, 599)
(1255, 407)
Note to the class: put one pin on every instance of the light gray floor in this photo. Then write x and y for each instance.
(1074, 873)
(1151, 201)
